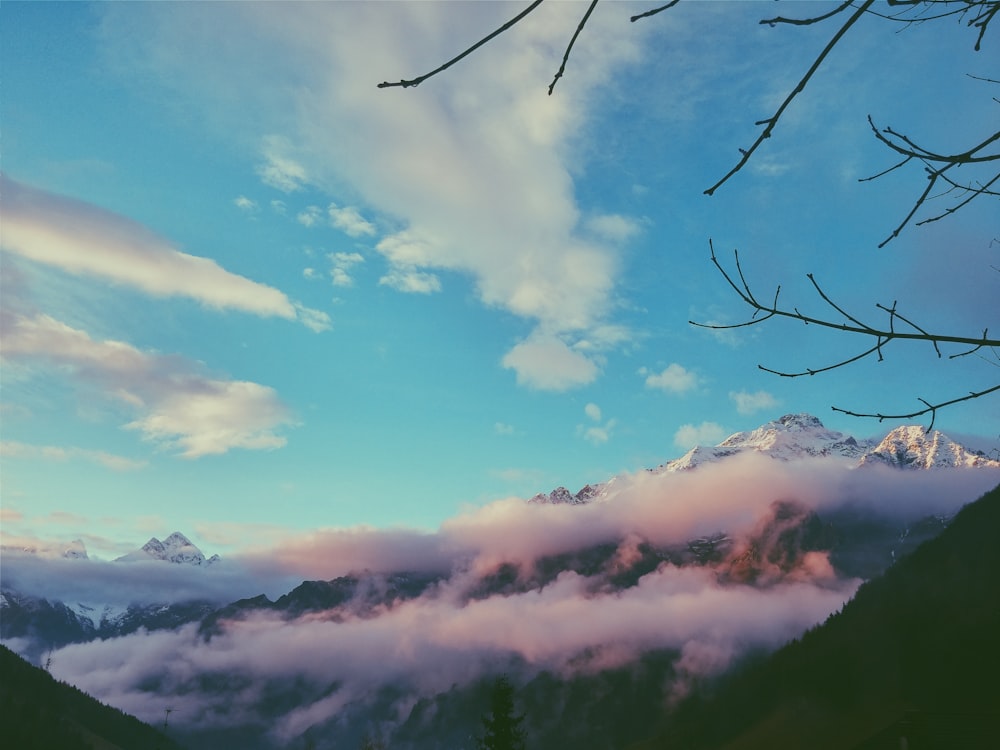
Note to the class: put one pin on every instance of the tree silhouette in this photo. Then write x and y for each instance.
(502, 726)
(961, 175)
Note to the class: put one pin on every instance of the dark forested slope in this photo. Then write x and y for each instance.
(915, 654)
(41, 712)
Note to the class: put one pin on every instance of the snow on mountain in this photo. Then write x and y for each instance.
(791, 437)
(797, 436)
(176, 548)
(75, 550)
(911, 447)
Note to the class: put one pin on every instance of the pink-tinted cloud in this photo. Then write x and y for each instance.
(178, 406)
(86, 240)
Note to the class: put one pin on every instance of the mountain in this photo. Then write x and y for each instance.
(176, 548)
(75, 550)
(39, 712)
(909, 447)
(797, 436)
(910, 661)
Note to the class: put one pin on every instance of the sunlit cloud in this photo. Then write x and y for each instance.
(417, 160)
(82, 239)
(546, 363)
(340, 267)
(674, 378)
(180, 408)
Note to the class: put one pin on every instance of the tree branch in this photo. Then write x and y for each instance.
(931, 409)
(569, 47)
(772, 121)
(495, 33)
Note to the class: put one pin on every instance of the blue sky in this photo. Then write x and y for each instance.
(247, 293)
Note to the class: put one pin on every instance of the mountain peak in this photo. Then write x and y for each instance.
(176, 548)
(910, 447)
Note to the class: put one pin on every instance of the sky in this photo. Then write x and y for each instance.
(247, 294)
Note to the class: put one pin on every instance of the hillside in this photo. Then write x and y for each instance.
(40, 712)
(913, 655)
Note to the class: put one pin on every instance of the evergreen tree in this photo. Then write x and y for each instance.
(502, 727)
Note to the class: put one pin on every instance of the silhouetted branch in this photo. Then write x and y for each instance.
(495, 33)
(772, 121)
(762, 312)
(654, 11)
(569, 47)
(931, 409)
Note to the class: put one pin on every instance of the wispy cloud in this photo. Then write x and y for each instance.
(82, 239)
(750, 403)
(706, 433)
(341, 265)
(418, 160)
(179, 407)
(350, 221)
(278, 168)
(14, 449)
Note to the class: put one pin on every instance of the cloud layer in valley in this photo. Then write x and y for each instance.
(446, 636)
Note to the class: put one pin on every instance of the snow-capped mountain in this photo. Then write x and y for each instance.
(911, 447)
(75, 550)
(797, 436)
(176, 548)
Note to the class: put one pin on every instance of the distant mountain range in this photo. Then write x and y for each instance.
(788, 543)
(798, 436)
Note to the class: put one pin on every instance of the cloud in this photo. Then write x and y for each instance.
(179, 407)
(614, 227)
(411, 280)
(341, 265)
(706, 433)
(597, 434)
(349, 220)
(674, 379)
(502, 428)
(309, 216)
(476, 179)
(14, 449)
(245, 204)
(447, 637)
(546, 363)
(82, 239)
(593, 411)
(278, 169)
(750, 403)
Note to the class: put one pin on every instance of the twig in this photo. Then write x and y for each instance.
(495, 33)
(569, 47)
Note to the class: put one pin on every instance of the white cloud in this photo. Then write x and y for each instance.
(614, 227)
(349, 220)
(80, 238)
(245, 204)
(309, 216)
(411, 280)
(546, 363)
(593, 411)
(279, 170)
(316, 321)
(341, 264)
(14, 449)
(706, 433)
(480, 176)
(179, 407)
(674, 378)
(750, 403)
(310, 273)
(279, 207)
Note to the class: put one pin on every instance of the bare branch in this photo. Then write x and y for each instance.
(931, 409)
(770, 122)
(495, 33)
(654, 11)
(569, 47)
